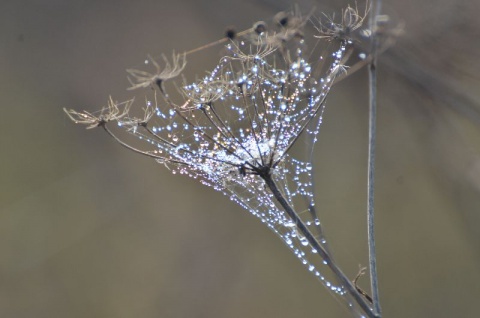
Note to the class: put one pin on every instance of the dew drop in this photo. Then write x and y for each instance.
(304, 241)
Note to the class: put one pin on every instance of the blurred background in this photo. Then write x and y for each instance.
(88, 229)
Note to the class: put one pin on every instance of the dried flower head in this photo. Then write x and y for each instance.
(169, 71)
(238, 123)
(290, 25)
(351, 21)
(256, 52)
(110, 113)
(133, 122)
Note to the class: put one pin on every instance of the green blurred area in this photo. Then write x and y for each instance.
(88, 229)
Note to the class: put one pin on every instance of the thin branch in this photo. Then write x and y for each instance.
(372, 79)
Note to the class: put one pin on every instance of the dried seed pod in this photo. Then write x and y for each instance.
(259, 27)
(230, 33)
(282, 18)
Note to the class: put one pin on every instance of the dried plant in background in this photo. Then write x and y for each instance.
(234, 129)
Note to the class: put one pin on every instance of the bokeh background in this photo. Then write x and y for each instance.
(88, 229)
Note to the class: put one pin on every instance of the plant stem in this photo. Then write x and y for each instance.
(302, 228)
(372, 80)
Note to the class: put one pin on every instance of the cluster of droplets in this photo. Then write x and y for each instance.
(243, 116)
(298, 190)
(246, 114)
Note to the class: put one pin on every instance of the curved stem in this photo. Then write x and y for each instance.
(302, 228)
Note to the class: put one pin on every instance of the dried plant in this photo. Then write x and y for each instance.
(169, 71)
(110, 113)
(351, 21)
(234, 129)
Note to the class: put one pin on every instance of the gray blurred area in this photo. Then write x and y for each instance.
(88, 229)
